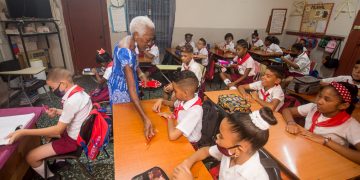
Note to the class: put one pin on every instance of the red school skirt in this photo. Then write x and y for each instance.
(64, 145)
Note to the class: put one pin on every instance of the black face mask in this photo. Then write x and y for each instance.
(59, 93)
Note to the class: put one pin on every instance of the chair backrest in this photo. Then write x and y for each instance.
(270, 165)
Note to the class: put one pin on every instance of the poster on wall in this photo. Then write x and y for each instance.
(316, 18)
(277, 21)
(118, 19)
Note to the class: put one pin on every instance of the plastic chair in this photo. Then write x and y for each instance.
(270, 165)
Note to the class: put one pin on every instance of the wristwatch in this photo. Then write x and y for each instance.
(326, 141)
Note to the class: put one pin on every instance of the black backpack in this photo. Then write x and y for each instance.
(211, 120)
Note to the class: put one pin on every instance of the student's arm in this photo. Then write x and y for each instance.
(353, 155)
(161, 101)
(272, 105)
(199, 155)
(148, 129)
(242, 91)
(52, 131)
(244, 76)
(290, 63)
(148, 54)
(173, 132)
(289, 114)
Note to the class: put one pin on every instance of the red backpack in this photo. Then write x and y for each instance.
(94, 134)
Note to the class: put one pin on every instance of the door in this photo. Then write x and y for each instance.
(351, 52)
(88, 30)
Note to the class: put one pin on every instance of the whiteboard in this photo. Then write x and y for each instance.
(8, 124)
(277, 21)
(118, 19)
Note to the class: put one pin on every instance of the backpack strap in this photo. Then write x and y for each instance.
(75, 90)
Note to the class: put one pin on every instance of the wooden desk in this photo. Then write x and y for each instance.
(168, 67)
(222, 55)
(176, 57)
(132, 156)
(144, 60)
(13, 163)
(300, 157)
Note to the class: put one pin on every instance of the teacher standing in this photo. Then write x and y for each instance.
(123, 82)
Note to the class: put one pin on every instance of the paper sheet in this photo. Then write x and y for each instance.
(118, 19)
(8, 124)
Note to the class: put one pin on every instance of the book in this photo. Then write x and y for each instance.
(9, 124)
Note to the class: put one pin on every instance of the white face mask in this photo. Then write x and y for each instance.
(254, 40)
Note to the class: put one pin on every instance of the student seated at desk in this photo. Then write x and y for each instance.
(228, 44)
(187, 109)
(328, 121)
(353, 79)
(104, 59)
(298, 63)
(76, 107)
(237, 144)
(255, 40)
(203, 53)
(302, 41)
(152, 52)
(272, 45)
(188, 41)
(244, 65)
(268, 91)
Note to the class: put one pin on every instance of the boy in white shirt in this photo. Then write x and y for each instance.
(272, 45)
(187, 109)
(228, 45)
(268, 91)
(203, 53)
(188, 41)
(255, 40)
(76, 107)
(153, 53)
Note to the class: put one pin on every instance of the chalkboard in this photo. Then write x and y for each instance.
(276, 21)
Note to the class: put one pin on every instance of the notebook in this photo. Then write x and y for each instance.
(9, 124)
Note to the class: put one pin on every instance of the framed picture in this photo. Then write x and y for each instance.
(276, 21)
(316, 18)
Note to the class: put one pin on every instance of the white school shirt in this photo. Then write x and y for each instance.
(75, 111)
(274, 48)
(250, 63)
(274, 92)
(154, 50)
(107, 72)
(302, 61)
(194, 67)
(252, 169)
(348, 132)
(229, 47)
(347, 79)
(205, 52)
(190, 119)
(191, 43)
(258, 43)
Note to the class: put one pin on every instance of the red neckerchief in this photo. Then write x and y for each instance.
(241, 61)
(75, 90)
(337, 120)
(265, 94)
(180, 107)
(110, 64)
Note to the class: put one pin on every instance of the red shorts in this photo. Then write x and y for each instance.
(247, 80)
(64, 145)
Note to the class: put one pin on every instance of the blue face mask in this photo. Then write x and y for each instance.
(59, 93)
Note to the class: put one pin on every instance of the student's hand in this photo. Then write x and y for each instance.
(51, 112)
(314, 137)
(231, 84)
(169, 88)
(254, 95)
(182, 172)
(148, 129)
(157, 105)
(166, 115)
(14, 136)
(292, 128)
(93, 70)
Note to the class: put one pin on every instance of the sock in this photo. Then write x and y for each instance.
(232, 88)
(227, 81)
(40, 170)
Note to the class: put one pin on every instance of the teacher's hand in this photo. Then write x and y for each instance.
(148, 129)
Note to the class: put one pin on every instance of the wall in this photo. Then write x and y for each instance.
(212, 19)
(341, 26)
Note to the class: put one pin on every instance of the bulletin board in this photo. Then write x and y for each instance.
(316, 18)
(276, 21)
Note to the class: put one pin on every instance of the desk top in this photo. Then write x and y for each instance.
(227, 55)
(144, 59)
(168, 67)
(301, 157)
(7, 150)
(263, 53)
(26, 71)
(132, 156)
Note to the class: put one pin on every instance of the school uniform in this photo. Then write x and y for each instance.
(189, 116)
(76, 107)
(154, 50)
(242, 64)
(194, 67)
(343, 134)
(258, 43)
(228, 47)
(347, 79)
(274, 92)
(204, 61)
(274, 48)
(191, 43)
(108, 70)
(303, 62)
(250, 170)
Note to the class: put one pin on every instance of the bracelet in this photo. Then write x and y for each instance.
(326, 141)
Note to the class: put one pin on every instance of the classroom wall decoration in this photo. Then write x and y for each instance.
(276, 21)
(298, 8)
(316, 18)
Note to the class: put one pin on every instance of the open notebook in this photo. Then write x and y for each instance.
(8, 124)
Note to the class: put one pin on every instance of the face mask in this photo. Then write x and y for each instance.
(59, 93)
(254, 40)
(226, 151)
(293, 55)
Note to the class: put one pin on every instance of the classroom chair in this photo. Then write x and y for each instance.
(270, 165)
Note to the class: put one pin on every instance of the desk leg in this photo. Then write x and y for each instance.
(23, 90)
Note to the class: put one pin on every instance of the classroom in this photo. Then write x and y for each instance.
(179, 89)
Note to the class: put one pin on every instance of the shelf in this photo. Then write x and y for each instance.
(317, 35)
(32, 34)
